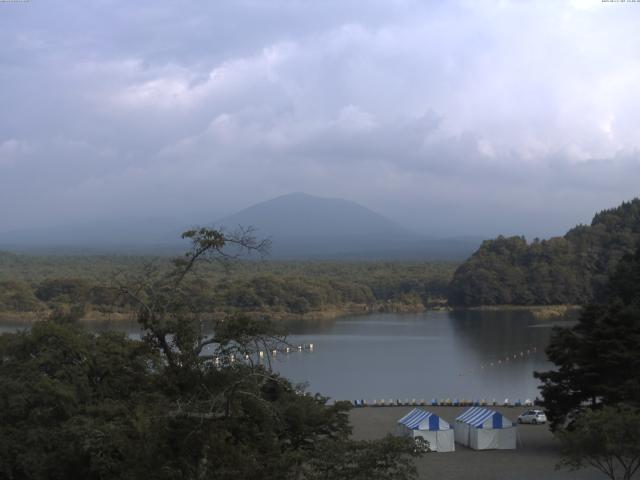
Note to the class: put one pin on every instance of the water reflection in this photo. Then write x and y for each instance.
(435, 354)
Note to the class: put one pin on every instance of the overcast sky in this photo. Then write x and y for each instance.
(469, 117)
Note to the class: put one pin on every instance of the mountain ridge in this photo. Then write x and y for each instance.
(313, 216)
(306, 226)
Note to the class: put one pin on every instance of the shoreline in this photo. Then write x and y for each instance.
(329, 313)
(539, 312)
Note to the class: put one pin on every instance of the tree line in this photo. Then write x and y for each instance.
(31, 284)
(572, 269)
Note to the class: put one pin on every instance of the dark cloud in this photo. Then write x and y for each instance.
(452, 117)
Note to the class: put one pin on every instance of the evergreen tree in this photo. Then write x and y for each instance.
(597, 360)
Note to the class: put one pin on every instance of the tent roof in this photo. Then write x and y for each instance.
(477, 416)
(418, 419)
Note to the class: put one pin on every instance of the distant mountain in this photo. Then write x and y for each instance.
(304, 226)
(302, 215)
(300, 226)
(569, 269)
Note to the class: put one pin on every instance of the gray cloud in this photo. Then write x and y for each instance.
(452, 117)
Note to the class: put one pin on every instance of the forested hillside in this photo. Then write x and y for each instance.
(38, 285)
(563, 270)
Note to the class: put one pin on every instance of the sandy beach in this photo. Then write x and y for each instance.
(534, 459)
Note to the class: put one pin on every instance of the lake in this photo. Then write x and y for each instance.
(467, 354)
(459, 354)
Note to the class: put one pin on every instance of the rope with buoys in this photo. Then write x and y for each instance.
(501, 361)
(260, 355)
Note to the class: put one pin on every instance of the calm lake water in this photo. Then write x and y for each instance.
(459, 354)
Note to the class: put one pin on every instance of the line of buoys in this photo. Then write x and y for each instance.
(501, 361)
(441, 403)
(261, 354)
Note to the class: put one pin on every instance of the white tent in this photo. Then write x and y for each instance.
(484, 429)
(420, 423)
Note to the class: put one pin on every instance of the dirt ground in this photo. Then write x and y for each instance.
(534, 459)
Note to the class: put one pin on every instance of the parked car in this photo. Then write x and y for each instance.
(532, 416)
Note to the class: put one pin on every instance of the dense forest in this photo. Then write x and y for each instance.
(37, 285)
(505, 271)
(563, 270)
(79, 405)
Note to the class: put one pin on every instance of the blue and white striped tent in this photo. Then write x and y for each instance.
(427, 425)
(483, 429)
(484, 418)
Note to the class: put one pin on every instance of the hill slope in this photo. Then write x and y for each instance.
(300, 226)
(300, 215)
(305, 226)
(568, 269)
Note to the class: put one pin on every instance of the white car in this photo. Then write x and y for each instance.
(533, 416)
